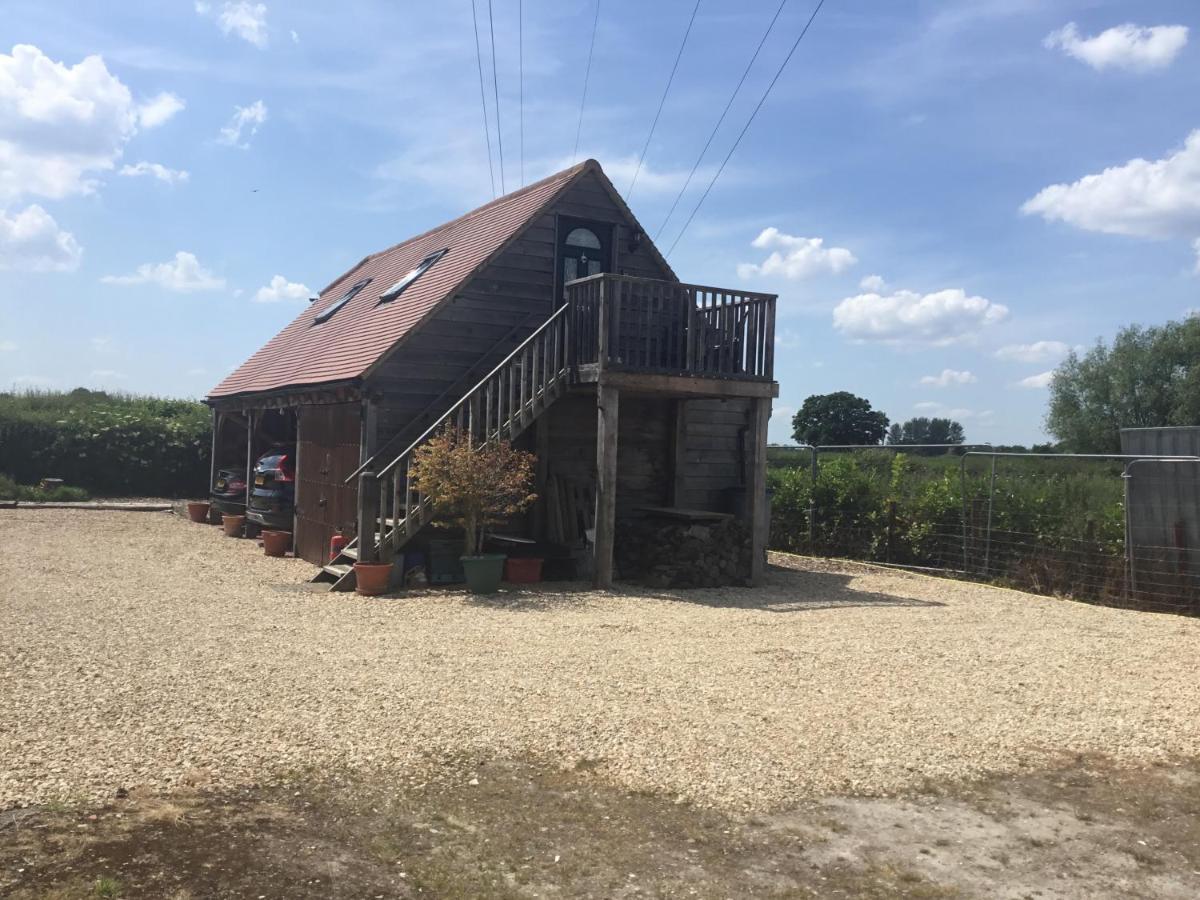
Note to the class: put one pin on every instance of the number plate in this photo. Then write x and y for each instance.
(260, 480)
(221, 484)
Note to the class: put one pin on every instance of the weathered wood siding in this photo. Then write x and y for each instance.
(715, 452)
(643, 446)
(444, 358)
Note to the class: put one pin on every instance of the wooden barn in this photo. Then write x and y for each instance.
(546, 317)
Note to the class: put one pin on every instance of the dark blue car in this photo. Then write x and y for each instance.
(273, 490)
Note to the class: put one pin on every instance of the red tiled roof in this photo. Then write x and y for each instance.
(346, 345)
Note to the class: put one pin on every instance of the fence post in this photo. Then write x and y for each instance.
(812, 503)
(987, 546)
(891, 530)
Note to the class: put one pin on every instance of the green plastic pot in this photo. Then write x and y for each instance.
(483, 572)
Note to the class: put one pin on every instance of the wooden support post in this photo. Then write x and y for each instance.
(368, 516)
(249, 454)
(216, 443)
(756, 486)
(607, 407)
(679, 434)
(541, 437)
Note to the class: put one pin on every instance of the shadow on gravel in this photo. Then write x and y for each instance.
(788, 591)
(510, 829)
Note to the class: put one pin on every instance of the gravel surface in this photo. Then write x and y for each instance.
(140, 650)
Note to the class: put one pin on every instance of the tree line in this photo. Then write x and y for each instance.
(1148, 377)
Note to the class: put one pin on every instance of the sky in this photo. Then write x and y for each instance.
(946, 196)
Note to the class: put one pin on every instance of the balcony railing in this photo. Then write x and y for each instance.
(646, 325)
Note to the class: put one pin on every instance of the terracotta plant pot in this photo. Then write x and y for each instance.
(372, 579)
(276, 543)
(233, 525)
(483, 572)
(523, 571)
(198, 510)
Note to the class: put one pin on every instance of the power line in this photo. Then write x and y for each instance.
(521, 77)
(586, 74)
(663, 100)
(724, 112)
(496, 89)
(487, 130)
(749, 121)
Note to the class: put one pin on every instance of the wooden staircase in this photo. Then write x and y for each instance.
(508, 400)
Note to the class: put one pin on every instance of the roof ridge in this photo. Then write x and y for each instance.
(570, 170)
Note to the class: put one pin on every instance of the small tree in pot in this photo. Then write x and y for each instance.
(473, 486)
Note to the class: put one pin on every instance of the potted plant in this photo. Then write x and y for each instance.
(474, 485)
(276, 543)
(198, 510)
(232, 524)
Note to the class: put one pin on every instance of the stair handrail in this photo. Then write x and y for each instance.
(524, 323)
(560, 312)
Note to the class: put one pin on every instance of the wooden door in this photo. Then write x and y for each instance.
(328, 439)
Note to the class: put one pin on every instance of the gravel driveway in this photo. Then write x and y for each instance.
(139, 649)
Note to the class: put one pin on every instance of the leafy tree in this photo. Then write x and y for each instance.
(922, 430)
(1149, 377)
(838, 418)
(472, 485)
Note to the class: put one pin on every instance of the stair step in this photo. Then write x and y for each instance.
(351, 552)
(338, 570)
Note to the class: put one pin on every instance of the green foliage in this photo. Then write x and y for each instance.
(1149, 377)
(108, 444)
(923, 430)
(874, 504)
(10, 490)
(838, 418)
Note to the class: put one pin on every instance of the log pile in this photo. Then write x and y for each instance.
(664, 552)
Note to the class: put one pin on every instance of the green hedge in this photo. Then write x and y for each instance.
(111, 445)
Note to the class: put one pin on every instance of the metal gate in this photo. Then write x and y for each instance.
(329, 438)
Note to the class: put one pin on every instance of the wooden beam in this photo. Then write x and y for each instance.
(249, 454)
(607, 408)
(756, 487)
(216, 443)
(368, 516)
(679, 433)
(679, 385)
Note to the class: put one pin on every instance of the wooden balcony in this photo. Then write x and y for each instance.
(624, 326)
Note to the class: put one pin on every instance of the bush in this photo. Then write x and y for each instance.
(10, 490)
(108, 444)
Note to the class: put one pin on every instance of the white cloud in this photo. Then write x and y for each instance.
(243, 117)
(1196, 247)
(295, 36)
(1038, 381)
(1141, 198)
(159, 171)
(1038, 351)
(874, 284)
(8, 346)
(948, 377)
(34, 381)
(31, 241)
(906, 317)
(1126, 46)
(59, 125)
(282, 289)
(795, 257)
(102, 344)
(156, 111)
(183, 274)
(108, 374)
(238, 17)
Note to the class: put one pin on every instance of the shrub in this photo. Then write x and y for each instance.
(106, 443)
(472, 486)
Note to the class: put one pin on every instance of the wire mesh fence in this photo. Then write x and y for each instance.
(1110, 530)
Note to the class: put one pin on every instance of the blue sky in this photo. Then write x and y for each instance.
(945, 195)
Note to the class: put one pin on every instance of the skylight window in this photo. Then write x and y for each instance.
(421, 268)
(326, 314)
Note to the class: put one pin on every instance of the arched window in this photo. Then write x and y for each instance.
(583, 237)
